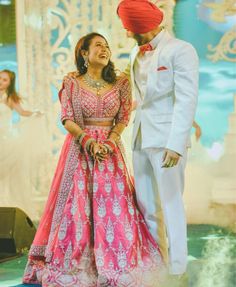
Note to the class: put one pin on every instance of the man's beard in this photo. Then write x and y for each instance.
(140, 39)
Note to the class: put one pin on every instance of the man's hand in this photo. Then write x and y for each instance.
(72, 75)
(37, 113)
(198, 132)
(170, 158)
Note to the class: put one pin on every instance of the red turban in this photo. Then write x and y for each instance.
(139, 16)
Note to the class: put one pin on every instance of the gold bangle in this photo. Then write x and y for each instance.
(115, 133)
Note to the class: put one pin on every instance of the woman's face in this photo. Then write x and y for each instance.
(99, 52)
(4, 81)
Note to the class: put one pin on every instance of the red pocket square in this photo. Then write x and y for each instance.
(162, 68)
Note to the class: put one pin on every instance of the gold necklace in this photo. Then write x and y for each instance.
(94, 84)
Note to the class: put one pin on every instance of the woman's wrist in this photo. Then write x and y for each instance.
(80, 137)
(114, 135)
(85, 140)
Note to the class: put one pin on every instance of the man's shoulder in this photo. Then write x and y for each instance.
(178, 43)
(177, 47)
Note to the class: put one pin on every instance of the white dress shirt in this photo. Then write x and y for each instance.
(142, 63)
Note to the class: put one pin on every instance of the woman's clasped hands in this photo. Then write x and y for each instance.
(98, 151)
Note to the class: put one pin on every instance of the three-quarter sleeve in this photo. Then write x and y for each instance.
(125, 109)
(65, 95)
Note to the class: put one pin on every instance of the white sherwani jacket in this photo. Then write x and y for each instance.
(166, 113)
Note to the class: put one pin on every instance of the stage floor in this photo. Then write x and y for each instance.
(212, 260)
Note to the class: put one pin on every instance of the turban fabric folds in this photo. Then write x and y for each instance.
(139, 16)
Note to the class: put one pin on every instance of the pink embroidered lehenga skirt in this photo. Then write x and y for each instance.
(92, 233)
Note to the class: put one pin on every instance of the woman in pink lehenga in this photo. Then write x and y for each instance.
(92, 233)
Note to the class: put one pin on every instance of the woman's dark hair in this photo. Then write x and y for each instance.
(11, 90)
(108, 72)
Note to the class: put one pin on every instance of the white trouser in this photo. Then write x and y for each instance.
(153, 181)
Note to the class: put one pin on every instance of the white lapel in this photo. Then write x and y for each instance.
(166, 37)
(133, 55)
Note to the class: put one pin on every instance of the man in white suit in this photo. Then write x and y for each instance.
(164, 76)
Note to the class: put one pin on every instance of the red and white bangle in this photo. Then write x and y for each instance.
(80, 137)
(85, 140)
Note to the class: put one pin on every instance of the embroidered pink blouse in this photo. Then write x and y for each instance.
(78, 104)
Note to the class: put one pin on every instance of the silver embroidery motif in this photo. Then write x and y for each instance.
(111, 265)
(65, 280)
(128, 230)
(116, 208)
(79, 229)
(74, 206)
(110, 166)
(62, 229)
(130, 206)
(110, 231)
(107, 184)
(80, 185)
(99, 256)
(101, 166)
(119, 183)
(120, 186)
(68, 255)
(121, 257)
